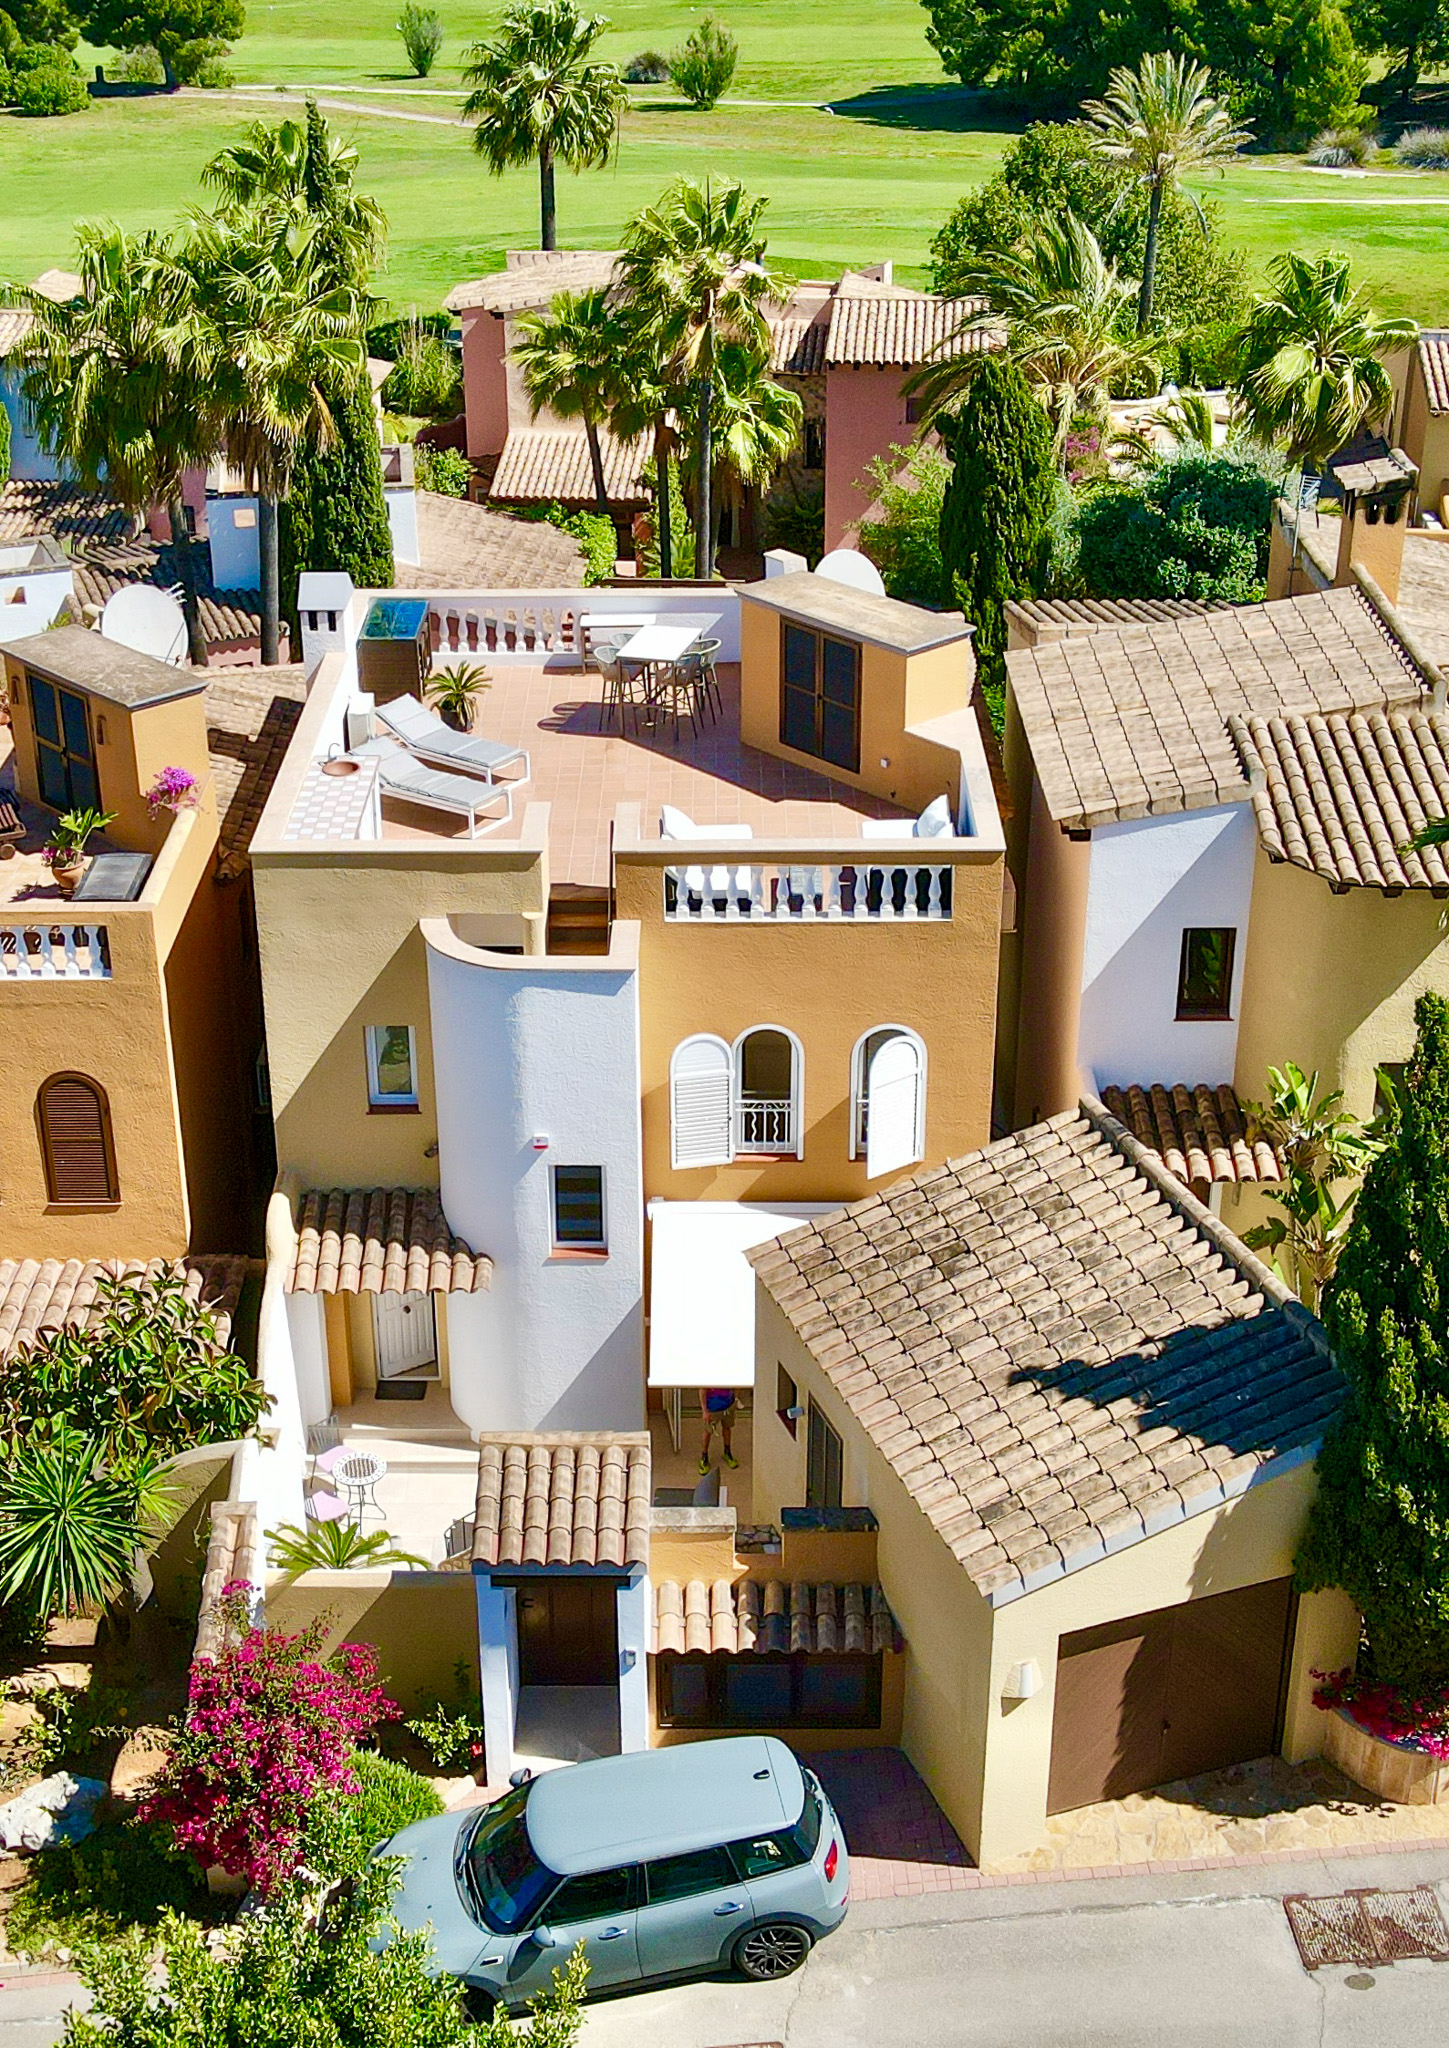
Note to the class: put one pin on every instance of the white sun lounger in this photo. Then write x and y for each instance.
(414, 782)
(423, 733)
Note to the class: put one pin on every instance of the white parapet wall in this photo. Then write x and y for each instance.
(536, 1063)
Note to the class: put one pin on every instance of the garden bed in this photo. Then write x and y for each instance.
(1397, 1771)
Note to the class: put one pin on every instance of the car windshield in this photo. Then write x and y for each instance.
(508, 1881)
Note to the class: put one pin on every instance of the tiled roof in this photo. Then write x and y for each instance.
(1057, 618)
(564, 1498)
(14, 326)
(474, 547)
(886, 326)
(797, 345)
(745, 1616)
(1199, 1133)
(539, 465)
(532, 278)
(1056, 1348)
(251, 714)
(59, 285)
(30, 505)
(1343, 795)
(41, 1295)
(229, 619)
(381, 1241)
(1434, 362)
(1133, 720)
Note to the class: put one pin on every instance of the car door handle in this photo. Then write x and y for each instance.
(612, 1933)
(729, 1906)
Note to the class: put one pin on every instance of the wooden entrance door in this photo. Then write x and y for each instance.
(1169, 1694)
(568, 1632)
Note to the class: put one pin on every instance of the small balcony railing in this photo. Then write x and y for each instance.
(54, 952)
(881, 893)
(764, 1126)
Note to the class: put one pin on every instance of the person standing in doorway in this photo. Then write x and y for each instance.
(719, 1414)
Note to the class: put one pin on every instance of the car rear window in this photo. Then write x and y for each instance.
(685, 1877)
(509, 1882)
(786, 1848)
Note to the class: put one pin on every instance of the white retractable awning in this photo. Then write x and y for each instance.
(702, 1287)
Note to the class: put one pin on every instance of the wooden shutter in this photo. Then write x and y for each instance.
(701, 1075)
(76, 1137)
(894, 1094)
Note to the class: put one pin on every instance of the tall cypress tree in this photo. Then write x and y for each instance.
(997, 507)
(1380, 1525)
(335, 515)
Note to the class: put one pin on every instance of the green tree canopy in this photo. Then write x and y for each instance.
(171, 27)
(334, 515)
(1380, 1524)
(1196, 527)
(1412, 32)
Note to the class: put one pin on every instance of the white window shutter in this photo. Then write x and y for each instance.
(701, 1078)
(895, 1094)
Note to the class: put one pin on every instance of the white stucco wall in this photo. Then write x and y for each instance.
(1149, 881)
(402, 519)
(307, 1325)
(632, 1602)
(30, 600)
(519, 1052)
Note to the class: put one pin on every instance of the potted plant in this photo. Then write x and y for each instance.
(454, 692)
(65, 851)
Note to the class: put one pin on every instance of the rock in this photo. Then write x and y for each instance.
(60, 1808)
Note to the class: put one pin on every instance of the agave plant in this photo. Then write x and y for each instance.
(455, 692)
(70, 1525)
(337, 1547)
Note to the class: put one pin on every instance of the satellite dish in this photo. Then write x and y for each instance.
(855, 570)
(147, 620)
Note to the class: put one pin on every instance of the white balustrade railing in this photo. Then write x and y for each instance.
(878, 892)
(529, 631)
(764, 1126)
(54, 952)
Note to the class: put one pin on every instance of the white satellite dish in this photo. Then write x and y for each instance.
(855, 570)
(147, 620)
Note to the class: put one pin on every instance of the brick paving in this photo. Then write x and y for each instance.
(901, 1844)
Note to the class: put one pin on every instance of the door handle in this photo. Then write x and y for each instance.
(612, 1933)
(729, 1906)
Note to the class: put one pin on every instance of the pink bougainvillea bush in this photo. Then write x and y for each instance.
(270, 1727)
(173, 790)
(1413, 1720)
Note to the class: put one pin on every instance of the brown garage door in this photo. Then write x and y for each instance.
(1165, 1695)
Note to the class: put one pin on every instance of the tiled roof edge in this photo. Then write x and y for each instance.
(1165, 1516)
(1391, 621)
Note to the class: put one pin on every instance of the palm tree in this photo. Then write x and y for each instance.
(537, 94)
(569, 357)
(755, 421)
(275, 335)
(1158, 122)
(1060, 309)
(693, 272)
(1310, 360)
(302, 166)
(108, 384)
(647, 402)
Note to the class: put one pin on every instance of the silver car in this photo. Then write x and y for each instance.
(665, 1863)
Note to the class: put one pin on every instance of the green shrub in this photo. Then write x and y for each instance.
(650, 67)
(1197, 527)
(904, 541)
(705, 63)
(4, 415)
(55, 88)
(796, 519)
(422, 35)
(140, 66)
(343, 1828)
(426, 378)
(444, 470)
(1424, 149)
(123, 1875)
(596, 535)
(1335, 148)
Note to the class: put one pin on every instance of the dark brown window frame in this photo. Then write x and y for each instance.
(817, 1419)
(783, 1407)
(715, 1664)
(1215, 1013)
(55, 1200)
(816, 752)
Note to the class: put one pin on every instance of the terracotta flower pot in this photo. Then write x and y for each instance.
(66, 874)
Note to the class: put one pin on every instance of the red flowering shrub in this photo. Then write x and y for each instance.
(270, 1727)
(1419, 1720)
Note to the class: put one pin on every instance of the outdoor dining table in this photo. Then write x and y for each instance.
(669, 640)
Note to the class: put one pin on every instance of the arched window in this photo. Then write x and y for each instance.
(701, 1103)
(75, 1140)
(888, 1100)
(769, 1074)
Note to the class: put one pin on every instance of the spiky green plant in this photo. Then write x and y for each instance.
(70, 1527)
(337, 1547)
(1324, 1150)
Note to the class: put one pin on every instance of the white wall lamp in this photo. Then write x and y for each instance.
(1023, 1681)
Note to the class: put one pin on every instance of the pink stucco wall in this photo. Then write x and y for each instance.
(865, 412)
(193, 492)
(485, 383)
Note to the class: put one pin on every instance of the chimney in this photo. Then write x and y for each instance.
(1377, 508)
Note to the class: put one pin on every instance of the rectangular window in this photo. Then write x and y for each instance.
(1205, 973)
(824, 1463)
(687, 1876)
(1389, 1085)
(765, 1691)
(787, 1399)
(820, 696)
(578, 1208)
(913, 410)
(64, 761)
(392, 1073)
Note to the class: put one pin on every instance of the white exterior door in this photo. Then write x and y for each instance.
(407, 1336)
(894, 1102)
(701, 1091)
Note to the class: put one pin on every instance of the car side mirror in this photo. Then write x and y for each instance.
(545, 1937)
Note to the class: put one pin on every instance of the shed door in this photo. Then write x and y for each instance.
(1169, 1694)
(568, 1631)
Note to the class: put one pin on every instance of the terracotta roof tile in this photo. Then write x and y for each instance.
(532, 278)
(475, 547)
(539, 466)
(251, 714)
(1342, 795)
(32, 505)
(1199, 1133)
(381, 1241)
(1434, 362)
(1060, 618)
(1057, 1335)
(798, 344)
(746, 1616)
(14, 326)
(1132, 720)
(41, 1295)
(887, 326)
(566, 1498)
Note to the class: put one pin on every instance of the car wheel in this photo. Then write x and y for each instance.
(773, 1950)
(478, 2004)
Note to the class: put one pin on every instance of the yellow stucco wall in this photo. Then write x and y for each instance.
(420, 1623)
(829, 983)
(340, 949)
(896, 691)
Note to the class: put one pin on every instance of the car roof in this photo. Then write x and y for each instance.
(662, 1802)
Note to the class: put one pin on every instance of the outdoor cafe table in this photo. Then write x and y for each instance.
(668, 641)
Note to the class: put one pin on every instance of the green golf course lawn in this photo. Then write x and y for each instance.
(859, 142)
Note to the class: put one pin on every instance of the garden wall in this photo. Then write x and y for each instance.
(420, 1623)
(197, 1481)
